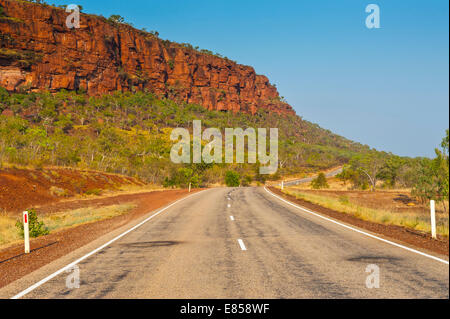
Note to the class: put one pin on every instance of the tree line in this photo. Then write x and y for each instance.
(129, 133)
(428, 178)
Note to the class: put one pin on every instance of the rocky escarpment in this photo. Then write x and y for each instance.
(38, 52)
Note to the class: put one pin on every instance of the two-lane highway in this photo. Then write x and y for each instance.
(310, 179)
(245, 243)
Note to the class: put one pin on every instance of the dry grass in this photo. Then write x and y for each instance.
(63, 220)
(84, 215)
(105, 193)
(131, 188)
(8, 230)
(414, 219)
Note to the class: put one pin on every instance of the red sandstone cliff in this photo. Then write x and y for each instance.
(38, 51)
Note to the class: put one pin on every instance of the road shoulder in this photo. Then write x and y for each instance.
(15, 265)
(392, 232)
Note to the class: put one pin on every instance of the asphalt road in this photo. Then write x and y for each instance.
(195, 249)
(309, 179)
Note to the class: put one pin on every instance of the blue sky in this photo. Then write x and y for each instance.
(387, 87)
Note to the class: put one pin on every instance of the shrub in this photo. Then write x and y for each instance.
(24, 58)
(4, 95)
(59, 192)
(232, 179)
(36, 227)
(182, 177)
(115, 18)
(246, 181)
(94, 191)
(344, 200)
(320, 182)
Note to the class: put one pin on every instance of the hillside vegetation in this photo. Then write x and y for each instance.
(129, 133)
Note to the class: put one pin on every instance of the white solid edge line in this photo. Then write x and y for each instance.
(359, 231)
(241, 243)
(43, 281)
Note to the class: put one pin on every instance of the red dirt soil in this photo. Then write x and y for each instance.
(39, 187)
(14, 264)
(409, 236)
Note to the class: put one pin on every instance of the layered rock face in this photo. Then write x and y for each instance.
(38, 51)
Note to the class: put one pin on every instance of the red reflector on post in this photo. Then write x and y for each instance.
(26, 232)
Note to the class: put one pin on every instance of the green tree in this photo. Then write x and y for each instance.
(433, 176)
(232, 179)
(116, 18)
(444, 144)
(367, 165)
(320, 182)
(246, 181)
(4, 95)
(389, 172)
(346, 175)
(182, 177)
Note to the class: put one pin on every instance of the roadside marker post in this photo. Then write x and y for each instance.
(433, 219)
(26, 232)
(282, 185)
(189, 187)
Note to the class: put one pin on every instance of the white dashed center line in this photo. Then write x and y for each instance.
(229, 205)
(232, 217)
(241, 243)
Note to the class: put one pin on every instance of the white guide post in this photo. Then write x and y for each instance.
(189, 187)
(26, 232)
(433, 219)
(282, 185)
